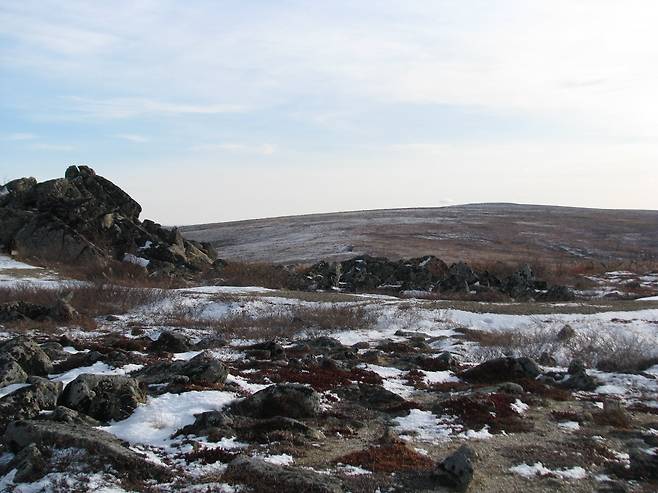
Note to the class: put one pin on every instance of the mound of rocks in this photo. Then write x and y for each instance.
(85, 218)
(428, 273)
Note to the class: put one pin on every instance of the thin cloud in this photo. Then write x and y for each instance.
(118, 108)
(263, 149)
(20, 136)
(135, 138)
(54, 147)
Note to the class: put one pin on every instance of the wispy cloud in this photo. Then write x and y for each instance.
(263, 149)
(54, 147)
(135, 138)
(19, 136)
(117, 108)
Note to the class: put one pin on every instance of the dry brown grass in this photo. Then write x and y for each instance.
(277, 323)
(389, 458)
(258, 274)
(89, 299)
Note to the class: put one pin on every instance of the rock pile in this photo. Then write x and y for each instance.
(428, 274)
(85, 218)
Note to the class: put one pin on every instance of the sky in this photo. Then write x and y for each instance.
(208, 111)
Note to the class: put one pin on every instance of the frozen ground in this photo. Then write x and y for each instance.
(532, 440)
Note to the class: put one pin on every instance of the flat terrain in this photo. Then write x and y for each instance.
(475, 233)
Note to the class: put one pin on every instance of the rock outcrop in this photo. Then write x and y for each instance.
(85, 218)
(428, 273)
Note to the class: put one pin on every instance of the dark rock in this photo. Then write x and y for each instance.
(546, 359)
(456, 470)
(557, 293)
(29, 464)
(103, 397)
(501, 370)
(84, 218)
(271, 478)
(28, 402)
(10, 371)
(63, 414)
(287, 400)
(373, 397)
(266, 350)
(54, 350)
(28, 354)
(643, 463)
(460, 278)
(510, 388)
(171, 342)
(444, 361)
(567, 332)
(203, 369)
(102, 446)
(576, 366)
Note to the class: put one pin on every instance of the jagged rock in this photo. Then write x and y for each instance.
(502, 369)
(84, 218)
(275, 478)
(171, 342)
(28, 402)
(203, 369)
(103, 397)
(28, 354)
(102, 446)
(287, 400)
(10, 371)
(460, 278)
(54, 350)
(557, 293)
(576, 378)
(456, 470)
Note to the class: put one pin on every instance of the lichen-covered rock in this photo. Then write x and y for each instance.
(276, 478)
(287, 400)
(171, 342)
(28, 354)
(203, 369)
(10, 371)
(27, 402)
(502, 370)
(102, 447)
(103, 397)
(456, 470)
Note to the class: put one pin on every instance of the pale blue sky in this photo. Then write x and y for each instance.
(220, 110)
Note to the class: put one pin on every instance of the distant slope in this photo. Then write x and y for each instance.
(476, 232)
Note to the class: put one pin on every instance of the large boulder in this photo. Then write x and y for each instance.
(28, 354)
(85, 218)
(104, 448)
(10, 371)
(502, 370)
(272, 478)
(27, 402)
(203, 369)
(103, 397)
(286, 400)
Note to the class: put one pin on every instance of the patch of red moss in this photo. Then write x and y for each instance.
(492, 410)
(395, 457)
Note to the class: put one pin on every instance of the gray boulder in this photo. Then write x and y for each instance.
(502, 370)
(456, 470)
(287, 400)
(103, 397)
(101, 446)
(273, 478)
(203, 369)
(28, 402)
(28, 354)
(10, 371)
(171, 342)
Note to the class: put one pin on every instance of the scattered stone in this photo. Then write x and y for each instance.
(286, 400)
(444, 361)
(29, 464)
(456, 470)
(103, 397)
